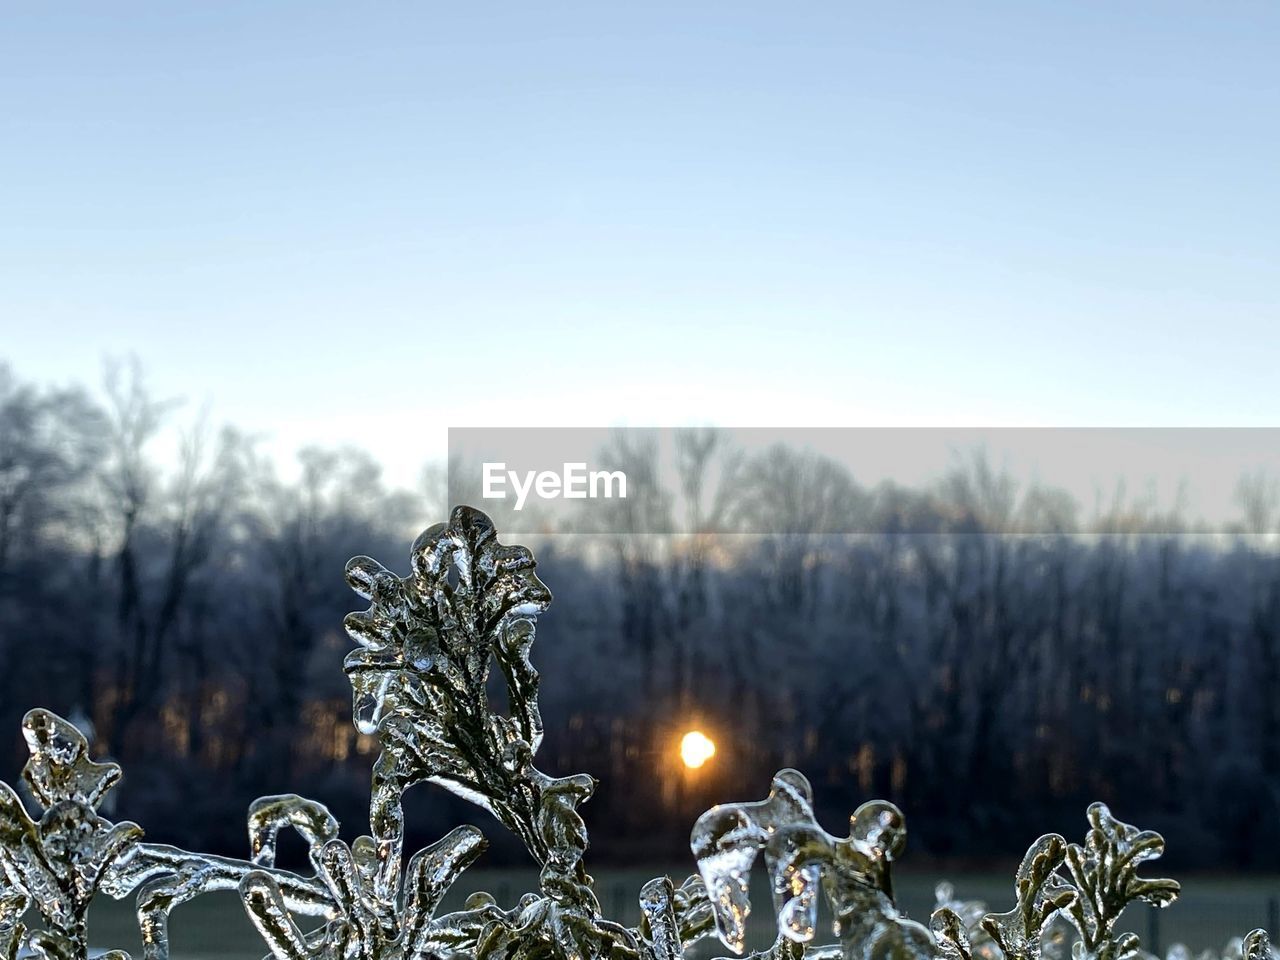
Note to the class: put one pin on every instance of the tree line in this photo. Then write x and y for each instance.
(991, 682)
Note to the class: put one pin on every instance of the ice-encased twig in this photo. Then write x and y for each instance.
(1040, 894)
(427, 642)
(803, 861)
(1104, 871)
(166, 876)
(56, 864)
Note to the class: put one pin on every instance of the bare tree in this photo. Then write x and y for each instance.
(1258, 495)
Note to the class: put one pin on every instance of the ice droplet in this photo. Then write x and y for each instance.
(368, 711)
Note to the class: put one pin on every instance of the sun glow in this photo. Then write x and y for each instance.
(696, 748)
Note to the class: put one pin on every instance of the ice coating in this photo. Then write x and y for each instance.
(804, 861)
(425, 648)
(54, 864)
(726, 840)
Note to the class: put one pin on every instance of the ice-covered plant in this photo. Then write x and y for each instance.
(427, 645)
(804, 862)
(1040, 893)
(55, 863)
(1104, 871)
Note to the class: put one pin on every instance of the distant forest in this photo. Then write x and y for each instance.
(988, 681)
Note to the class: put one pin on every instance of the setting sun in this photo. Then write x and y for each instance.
(696, 748)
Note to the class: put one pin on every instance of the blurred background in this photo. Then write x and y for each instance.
(255, 261)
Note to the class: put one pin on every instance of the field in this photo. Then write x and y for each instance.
(1210, 911)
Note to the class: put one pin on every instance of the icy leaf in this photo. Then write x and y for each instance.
(433, 870)
(1104, 871)
(13, 904)
(427, 643)
(969, 914)
(267, 911)
(1039, 894)
(1256, 946)
(79, 845)
(60, 768)
(657, 904)
(951, 934)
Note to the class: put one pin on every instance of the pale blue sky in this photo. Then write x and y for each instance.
(367, 222)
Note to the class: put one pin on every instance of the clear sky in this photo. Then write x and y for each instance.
(349, 222)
